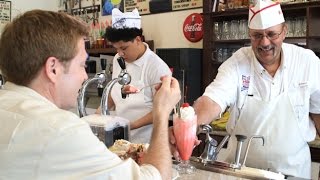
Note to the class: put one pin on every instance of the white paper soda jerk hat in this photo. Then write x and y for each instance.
(126, 20)
(265, 14)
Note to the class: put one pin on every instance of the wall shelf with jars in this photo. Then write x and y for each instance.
(226, 31)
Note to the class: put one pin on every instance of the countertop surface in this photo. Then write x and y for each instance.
(314, 144)
(207, 175)
(204, 175)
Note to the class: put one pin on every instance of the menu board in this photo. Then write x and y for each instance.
(160, 5)
(141, 5)
(5, 12)
(185, 4)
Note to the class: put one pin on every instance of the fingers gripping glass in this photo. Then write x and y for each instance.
(271, 36)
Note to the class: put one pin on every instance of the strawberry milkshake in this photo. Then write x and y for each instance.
(185, 128)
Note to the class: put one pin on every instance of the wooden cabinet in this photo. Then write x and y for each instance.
(310, 11)
(111, 50)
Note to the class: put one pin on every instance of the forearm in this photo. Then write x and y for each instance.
(111, 105)
(158, 152)
(206, 110)
(316, 120)
(143, 121)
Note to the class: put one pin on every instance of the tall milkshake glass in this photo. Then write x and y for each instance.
(185, 128)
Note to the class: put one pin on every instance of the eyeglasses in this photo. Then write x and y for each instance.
(271, 36)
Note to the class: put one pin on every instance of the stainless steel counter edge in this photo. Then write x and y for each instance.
(314, 144)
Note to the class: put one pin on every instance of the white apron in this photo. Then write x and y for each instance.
(132, 108)
(284, 150)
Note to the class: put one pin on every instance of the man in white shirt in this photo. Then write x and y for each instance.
(40, 139)
(145, 68)
(273, 90)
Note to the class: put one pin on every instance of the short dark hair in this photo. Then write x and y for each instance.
(126, 34)
(31, 38)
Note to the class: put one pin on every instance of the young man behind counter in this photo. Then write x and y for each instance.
(40, 139)
(145, 68)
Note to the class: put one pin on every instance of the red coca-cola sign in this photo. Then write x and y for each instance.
(193, 27)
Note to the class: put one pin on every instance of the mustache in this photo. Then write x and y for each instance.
(266, 48)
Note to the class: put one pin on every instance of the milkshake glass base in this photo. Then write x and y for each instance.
(184, 167)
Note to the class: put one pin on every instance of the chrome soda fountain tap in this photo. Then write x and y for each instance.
(100, 78)
(240, 139)
(246, 154)
(212, 148)
(123, 78)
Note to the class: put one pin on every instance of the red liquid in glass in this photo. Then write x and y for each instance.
(185, 133)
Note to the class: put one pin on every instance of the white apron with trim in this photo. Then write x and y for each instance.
(285, 149)
(132, 108)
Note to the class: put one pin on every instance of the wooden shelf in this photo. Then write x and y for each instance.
(284, 7)
(102, 51)
(111, 50)
(314, 37)
(232, 41)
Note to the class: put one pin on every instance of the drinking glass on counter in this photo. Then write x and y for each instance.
(185, 132)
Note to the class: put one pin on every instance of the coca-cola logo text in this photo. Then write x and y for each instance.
(192, 27)
(195, 27)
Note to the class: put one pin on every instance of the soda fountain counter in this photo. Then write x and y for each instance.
(220, 134)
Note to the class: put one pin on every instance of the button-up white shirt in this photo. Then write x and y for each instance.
(299, 72)
(155, 68)
(40, 141)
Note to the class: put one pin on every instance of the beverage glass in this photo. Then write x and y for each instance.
(226, 30)
(185, 133)
(243, 26)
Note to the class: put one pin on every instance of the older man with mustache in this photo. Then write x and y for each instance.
(273, 90)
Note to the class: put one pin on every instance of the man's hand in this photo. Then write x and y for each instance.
(129, 89)
(167, 95)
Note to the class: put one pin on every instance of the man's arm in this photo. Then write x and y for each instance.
(206, 110)
(110, 106)
(316, 120)
(143, 121)
(158, 153)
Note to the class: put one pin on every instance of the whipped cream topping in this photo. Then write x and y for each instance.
(187, 113)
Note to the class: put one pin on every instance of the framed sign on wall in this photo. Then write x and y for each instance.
(149, 6)
(5, 12)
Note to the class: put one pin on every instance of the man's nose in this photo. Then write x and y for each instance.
(85, 76)
(120, 52)
(265, 41)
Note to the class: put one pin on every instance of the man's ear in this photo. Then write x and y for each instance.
(51, 66)
(138, 39)
(285, 31)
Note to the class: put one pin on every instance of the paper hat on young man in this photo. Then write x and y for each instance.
(265, 14)
(126, 20)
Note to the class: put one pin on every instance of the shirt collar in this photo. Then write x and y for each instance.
(26, 91)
